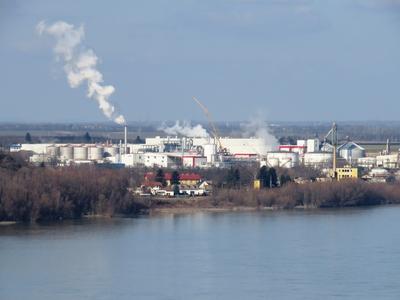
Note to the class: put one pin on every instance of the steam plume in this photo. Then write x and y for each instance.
(80, 64)
(259, 129)
(185, 129)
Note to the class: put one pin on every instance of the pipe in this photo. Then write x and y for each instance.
(387, 146)
(126, 140)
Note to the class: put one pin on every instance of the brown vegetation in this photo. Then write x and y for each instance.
(313, 195)
(36, 193)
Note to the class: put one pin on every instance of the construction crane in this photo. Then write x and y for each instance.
(212, 125)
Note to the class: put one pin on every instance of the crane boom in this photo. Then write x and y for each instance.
(211, 122)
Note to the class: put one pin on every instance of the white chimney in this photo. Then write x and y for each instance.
(126, 140)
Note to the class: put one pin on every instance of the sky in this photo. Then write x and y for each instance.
(283, 60)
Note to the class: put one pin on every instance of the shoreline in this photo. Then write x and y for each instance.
(160, 211)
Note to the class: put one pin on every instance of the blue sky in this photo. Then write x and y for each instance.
(285, 59)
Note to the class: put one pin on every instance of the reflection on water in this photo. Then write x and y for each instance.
(316, 254)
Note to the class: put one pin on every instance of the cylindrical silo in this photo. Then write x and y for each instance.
(80, 153)
(66, 152)
(95, 153)
(111, 151)
(283, 159)
(53, 151)
(210, 151)
(318, 159)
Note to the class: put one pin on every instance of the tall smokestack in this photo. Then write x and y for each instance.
(387, 146)
(126, 139)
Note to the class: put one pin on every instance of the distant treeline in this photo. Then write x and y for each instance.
(285, 132)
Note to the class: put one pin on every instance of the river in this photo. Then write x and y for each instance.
(315, 254)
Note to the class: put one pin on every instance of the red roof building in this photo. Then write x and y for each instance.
(184, 178)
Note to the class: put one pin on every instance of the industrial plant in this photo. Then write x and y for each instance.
(336, 160)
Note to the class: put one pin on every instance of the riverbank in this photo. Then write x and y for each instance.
(292, 196)
(31, 194)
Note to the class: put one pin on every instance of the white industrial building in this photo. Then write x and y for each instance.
(283, 159)
(366, 162)
(389, 161)
(172, 152)
(243, 147)
(165, 152)
(318, 159)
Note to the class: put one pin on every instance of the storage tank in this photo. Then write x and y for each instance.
(53, 151)
(95, 153)
(273, 162)
(111, 151)
(283, 159)
(318, 159)
(350, 151)
(379, 172)
(80, 153)
(210, 152)
(66, 152)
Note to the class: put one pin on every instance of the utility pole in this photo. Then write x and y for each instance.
(334, 144)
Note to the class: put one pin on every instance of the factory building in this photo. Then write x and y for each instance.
(313, 145)
(318, 159)
(281, 159)
(302, 146)
(389, 161)
(366, 162)
(240, 147)
(347, 172)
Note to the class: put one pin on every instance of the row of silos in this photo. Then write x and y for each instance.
(282, 159)
(81, 152)
(292, 159)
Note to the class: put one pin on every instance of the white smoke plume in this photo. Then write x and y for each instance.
(80, 64)
(258, 128)
(186, 129)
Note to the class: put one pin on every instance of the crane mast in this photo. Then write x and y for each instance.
(212, 125)
(334, 140)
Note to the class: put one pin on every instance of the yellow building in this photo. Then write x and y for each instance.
(347, 172)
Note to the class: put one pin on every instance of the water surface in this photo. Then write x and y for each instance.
(322, 254)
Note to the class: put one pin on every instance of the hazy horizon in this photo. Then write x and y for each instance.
(297, 61)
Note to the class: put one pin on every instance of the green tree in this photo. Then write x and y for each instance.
(87, 138)
(28, 138)
(264, 177)
(138, 140)
(273, 178)
(160, 177)
(283, 179)
(233, 177)
(175, 178)
(176, 189)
